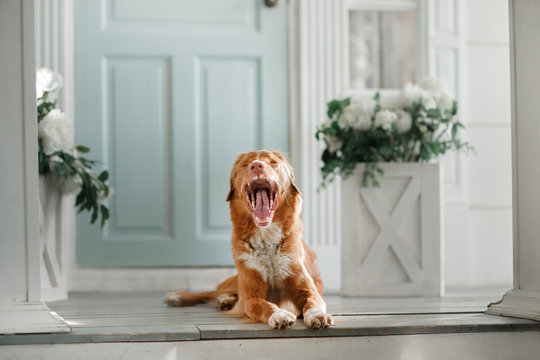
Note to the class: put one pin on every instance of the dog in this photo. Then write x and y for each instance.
(278, 277)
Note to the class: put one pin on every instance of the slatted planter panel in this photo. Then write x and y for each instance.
(391, 242)
(54, 238)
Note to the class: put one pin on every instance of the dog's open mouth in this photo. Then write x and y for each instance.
(262, 198)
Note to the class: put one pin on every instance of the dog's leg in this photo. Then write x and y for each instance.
(254, 289)
(304, 293)
(227, 293)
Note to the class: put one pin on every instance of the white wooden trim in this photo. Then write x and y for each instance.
(155, 279)
(21, 310)
(524, 299)
(382, 5)
(30, 317)
(479, 346)
(55, 50)
(518, 303)
(318, 54)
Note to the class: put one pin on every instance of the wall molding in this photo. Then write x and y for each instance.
(21, 307)
(517, 303)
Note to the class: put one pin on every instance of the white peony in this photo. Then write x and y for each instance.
(384, 119)
(445, 101)
(56, 132)
(334, 143)
(347, 118)
(433, 84)
(358, 114)
(404, 121)
(417, 94)
(47, 80)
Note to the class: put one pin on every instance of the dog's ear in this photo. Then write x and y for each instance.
(232, 178)
(293, 189)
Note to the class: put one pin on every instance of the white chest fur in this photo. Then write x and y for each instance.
(266, 257)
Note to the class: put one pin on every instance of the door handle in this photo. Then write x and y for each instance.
(271, 3)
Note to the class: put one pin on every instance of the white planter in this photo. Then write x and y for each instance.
(55, 231)
(391, 236)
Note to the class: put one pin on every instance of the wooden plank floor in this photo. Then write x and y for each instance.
(134, 317)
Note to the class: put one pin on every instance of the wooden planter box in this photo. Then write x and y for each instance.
(55, 230)
(391, 236)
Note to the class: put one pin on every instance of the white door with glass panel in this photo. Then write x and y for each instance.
(168, 93)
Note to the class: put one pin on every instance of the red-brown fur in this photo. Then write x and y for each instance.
(247, 291)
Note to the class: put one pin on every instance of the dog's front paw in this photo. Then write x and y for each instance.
(316, 319)
(281, 319)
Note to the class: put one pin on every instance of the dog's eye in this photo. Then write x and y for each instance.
(273, 162)
(245, 165)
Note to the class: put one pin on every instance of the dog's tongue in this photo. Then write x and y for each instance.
(262, 205)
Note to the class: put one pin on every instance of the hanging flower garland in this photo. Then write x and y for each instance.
(59, 156)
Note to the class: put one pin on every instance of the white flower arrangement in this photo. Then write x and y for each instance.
(58, 155)
(417, 124)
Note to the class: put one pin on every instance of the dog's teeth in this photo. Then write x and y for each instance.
(271, 202)
(252, 202)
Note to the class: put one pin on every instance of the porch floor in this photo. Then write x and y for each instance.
(142, 317)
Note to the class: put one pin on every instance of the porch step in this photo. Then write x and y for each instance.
(142, 317)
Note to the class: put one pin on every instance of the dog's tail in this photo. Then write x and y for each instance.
(183, 298)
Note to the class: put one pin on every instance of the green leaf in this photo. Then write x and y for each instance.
(104, 176)
(83, 149)
(454, 131)
(62, 169)
(104, 214)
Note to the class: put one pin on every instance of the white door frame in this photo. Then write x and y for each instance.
(21, 307)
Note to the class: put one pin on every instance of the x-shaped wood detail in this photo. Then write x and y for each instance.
(389, 235)
(48, 206)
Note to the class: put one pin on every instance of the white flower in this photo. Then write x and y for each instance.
(445, 101)
(71, 184)
(56, 132)
(102, 196)
(347, 118)
(334, 143)
(358, 114)
(415, 93)
(385, 119)
(433, 84)
(404, 121)
(422, 128)
(47, 80)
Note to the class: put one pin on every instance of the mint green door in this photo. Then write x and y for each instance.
(168, 93)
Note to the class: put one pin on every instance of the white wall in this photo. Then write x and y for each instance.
(486, 110)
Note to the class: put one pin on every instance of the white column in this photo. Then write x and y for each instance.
(524, 299)
(318, 51)
(21, 309)
(55, 49)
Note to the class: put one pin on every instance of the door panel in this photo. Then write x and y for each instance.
(168, 93)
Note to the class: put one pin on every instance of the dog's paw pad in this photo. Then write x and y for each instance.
(281, 319)
(226, 301)
(316, 319)
(173, 299)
